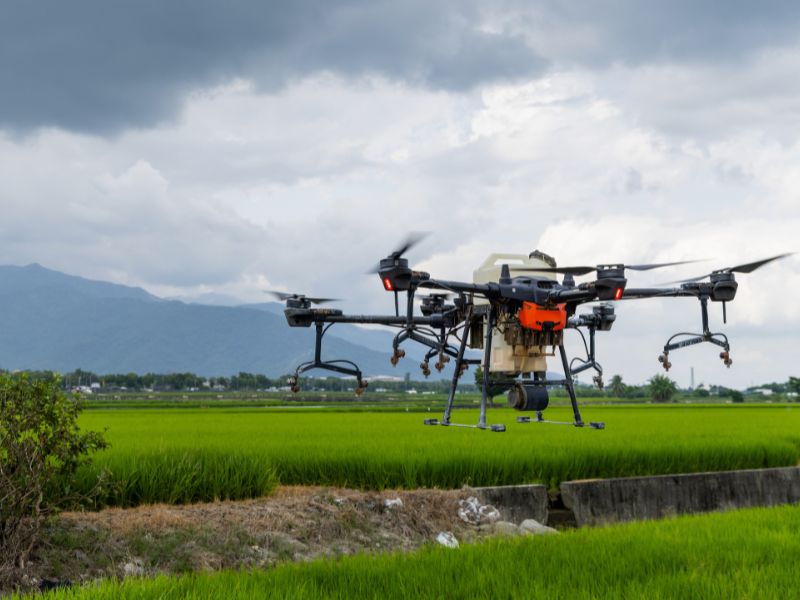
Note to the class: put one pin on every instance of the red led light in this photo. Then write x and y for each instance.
(618, 293)
(387, 284)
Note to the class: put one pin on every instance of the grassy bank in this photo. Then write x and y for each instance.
(745, 554)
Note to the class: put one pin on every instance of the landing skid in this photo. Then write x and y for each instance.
(498, 427)
(719, 339)
(539, 419)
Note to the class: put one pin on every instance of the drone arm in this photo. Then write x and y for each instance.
(488, 290)
(639, 293)
(376, 319)
(573, 296)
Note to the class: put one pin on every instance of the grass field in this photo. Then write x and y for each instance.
(188, 455)
(744, 554)
(347, 401)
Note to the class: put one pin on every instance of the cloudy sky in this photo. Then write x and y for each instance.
(224, 148)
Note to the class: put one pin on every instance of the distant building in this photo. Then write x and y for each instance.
(386, 378)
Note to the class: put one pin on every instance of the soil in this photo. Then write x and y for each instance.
(294, 524)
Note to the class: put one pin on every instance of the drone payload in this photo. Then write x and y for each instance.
(520, 341)
(516, 312)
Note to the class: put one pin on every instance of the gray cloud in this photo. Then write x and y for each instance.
(102, 67)
(592, 32)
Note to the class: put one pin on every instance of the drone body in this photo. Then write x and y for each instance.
(520, 341)
(516, 311)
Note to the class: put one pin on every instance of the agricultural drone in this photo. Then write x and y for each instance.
(516, 312)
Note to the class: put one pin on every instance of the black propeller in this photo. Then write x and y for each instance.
(283, 296)
(745, 268)
(584, 270)
(413, 238)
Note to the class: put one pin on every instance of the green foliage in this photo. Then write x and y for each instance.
(737, 396)
(390, 449)
(775, 388)
(662, 388)
(617, 387)
(41, 448)
(740, 554)
(182, 476)
(793, 385)
(498, 383)
(243, 381)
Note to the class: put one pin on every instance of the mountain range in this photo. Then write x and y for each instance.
(51, 320)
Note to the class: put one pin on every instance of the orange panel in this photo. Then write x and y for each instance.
(538, 318)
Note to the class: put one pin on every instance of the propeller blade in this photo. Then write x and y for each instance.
(690, 280)
(585, 270)
(750, 267)
(564, 270)
(322, 300)
(280, 295)
(283, 296)
(412, 239)
(659, 265)
(745, 268)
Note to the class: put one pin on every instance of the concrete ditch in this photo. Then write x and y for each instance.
(603, 501)
(517, 502)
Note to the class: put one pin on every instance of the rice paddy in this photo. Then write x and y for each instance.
(187, 455)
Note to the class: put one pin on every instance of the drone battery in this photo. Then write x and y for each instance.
(539, 318)
(528, 396)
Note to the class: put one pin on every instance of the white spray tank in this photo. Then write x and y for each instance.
(506, 358)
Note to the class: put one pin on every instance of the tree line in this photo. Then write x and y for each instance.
(659, 388)
(243, 381)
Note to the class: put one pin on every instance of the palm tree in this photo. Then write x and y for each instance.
(617, 387)
(662, 388)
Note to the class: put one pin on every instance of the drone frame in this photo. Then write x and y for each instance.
(441, 322)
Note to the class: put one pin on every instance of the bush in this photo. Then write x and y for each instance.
(41, 447)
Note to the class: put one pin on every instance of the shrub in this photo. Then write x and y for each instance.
(41, 447)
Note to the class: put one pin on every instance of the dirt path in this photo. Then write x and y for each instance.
(295, 524)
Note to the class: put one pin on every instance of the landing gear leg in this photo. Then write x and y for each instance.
(569, 384)
(457, 370)
(492, 321)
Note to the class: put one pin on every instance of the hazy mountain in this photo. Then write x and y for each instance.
(209, 299)
(49, 320)
(379, 340)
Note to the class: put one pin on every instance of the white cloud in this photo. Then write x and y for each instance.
(306, 189)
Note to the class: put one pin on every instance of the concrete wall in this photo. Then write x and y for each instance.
(516, 502)
(596, 502)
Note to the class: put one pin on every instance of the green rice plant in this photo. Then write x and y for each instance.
(743, 554)
(182, 476)
(186, 455)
